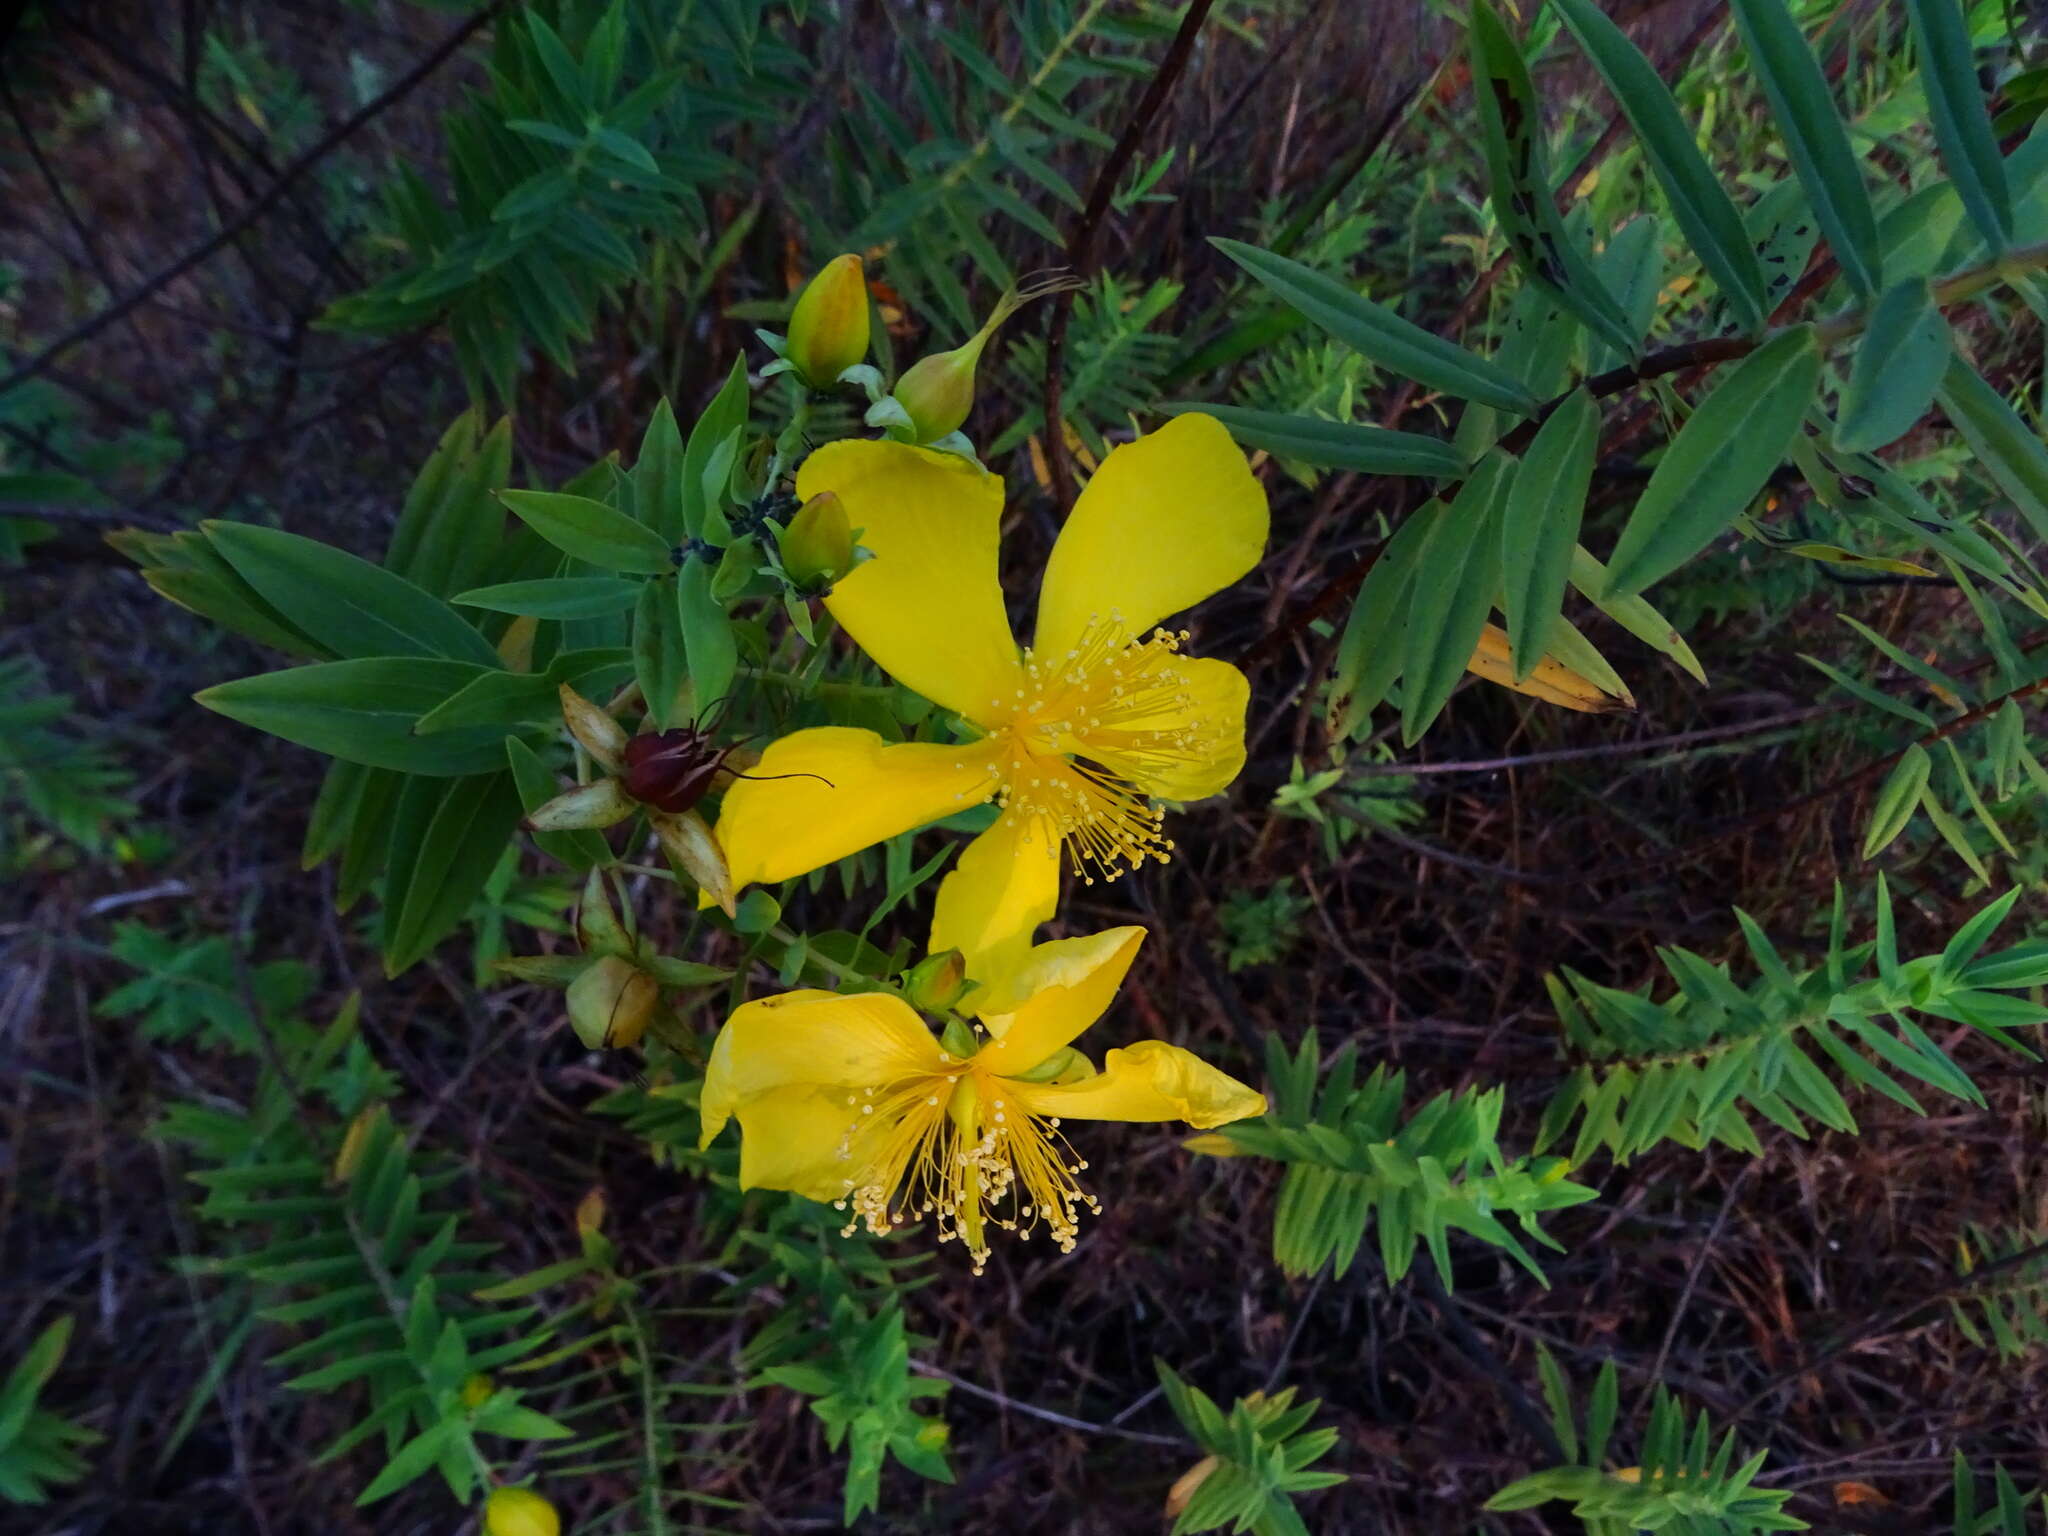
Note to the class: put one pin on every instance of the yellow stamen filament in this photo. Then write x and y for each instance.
(956, 1145)
(1126, 709)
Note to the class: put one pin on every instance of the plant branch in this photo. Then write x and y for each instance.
(92, 325)
(1081, 243)
(1709, 352)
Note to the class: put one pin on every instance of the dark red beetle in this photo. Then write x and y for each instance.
(672, 770)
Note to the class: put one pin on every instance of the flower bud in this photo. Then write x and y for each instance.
(477, 1390)
(520, 1512)
(937, 392)
(817, 549)
(612, 1003)
(828, 333)
(936, 982)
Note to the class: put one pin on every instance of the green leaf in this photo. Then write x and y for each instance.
(1380, 334)
(1519, 175)
(464, 841)
(1815, 137)
(707, 635)
(1962, 126)
(1540, 525)
(592, 532)
(1718, 462)
(1334, 444)
(658, 660)
(658, 476)
(556, 597)
(726, 414)
(1633, 614)
(451, 527)
(350, 606)
(500, 701)
(363, 711)
(413, 1461)
(2003, 443)
(1455, 577)
(579, 849)
(1897, 800)
(1899, 364)
(1370, 650)
(1712, 224)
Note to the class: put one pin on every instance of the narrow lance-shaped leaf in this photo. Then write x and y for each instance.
(350, 606)
(1712, 223)
(2003, 443)
(1541, 525)
(591, 531)
(1899, 364)
(1369, 654)
(1519, 177)
(1815, 137)
(1334, 444)
(1380, 334)
(1720, 459)
(706, 632)
(1897, 800)
(1962, 127)
(1455, 578)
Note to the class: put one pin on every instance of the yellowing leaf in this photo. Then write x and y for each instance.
(1551, 681)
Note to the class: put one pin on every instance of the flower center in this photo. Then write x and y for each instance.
(1127, 708)
(957, 1146)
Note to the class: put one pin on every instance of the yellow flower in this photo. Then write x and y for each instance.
(851, 1099)
(1075, 733)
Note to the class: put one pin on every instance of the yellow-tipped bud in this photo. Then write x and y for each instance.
(520, 1512)
(477, 1390)
(828, 333)
(590, 1213)
(818, 548)
(612, 1003)
(936, 982)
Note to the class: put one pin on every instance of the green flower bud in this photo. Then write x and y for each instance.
(828, 333)
(937, 392)
(520, 1512)
(936, 982)
(817, 547)
(612, 1003)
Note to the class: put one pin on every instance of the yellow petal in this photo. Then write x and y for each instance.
(1208, 728)
(812, 1040)
(1006, 883)
(1164, 522)
(1147, 1081)
(791, 1139)
(1059, 990)
(864, 790)
(927, 607)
